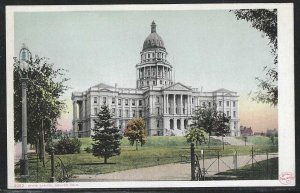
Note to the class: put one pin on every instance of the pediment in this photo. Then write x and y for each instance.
(179, 87)
(104, 90)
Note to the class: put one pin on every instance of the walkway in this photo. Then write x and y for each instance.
(176, 171)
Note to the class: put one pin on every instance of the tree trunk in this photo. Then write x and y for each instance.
(43, 144)
(105, 160)
(136, 145)
(209, 140)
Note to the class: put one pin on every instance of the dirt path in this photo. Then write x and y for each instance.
(176, 171)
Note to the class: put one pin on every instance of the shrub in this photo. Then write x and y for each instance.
(66, 145)
(88, 149)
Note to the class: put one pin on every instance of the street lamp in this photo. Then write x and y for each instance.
(24, 57)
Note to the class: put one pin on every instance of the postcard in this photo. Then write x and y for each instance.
(131, 96)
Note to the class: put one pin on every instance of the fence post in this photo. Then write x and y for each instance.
(52, 178)
(267, 165)
(252, 157)
(203, 169)
(193, 161)
(218, 161)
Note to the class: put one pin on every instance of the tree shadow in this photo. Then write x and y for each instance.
(94, 164)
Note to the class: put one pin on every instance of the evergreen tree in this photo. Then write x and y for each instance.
(107, 139)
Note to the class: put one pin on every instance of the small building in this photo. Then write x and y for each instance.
(246, 131)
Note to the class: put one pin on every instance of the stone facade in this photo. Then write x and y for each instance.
(166, 106)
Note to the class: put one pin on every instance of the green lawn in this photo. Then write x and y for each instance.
(157, 150)
(259, 171)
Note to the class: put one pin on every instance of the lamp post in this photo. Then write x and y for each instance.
(24, 57)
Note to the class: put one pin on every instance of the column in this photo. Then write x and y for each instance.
(163, 75)
(74, 111)
(188, 104)
(182, 123)
(181, 107)
(84, 127)
(164, 104)
(75, 118)
(191, 105)
(167, 104)
(150, 104)
(174, 105)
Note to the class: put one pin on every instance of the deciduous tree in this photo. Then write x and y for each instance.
(46, 84)
(265, 21)
(195, 135)
(135, 131)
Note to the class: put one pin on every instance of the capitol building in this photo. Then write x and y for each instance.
(166, 106)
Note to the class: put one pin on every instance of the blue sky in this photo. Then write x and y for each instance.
(207, 48)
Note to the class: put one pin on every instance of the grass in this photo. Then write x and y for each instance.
(259, 171)
(260, 140)
(158, 150)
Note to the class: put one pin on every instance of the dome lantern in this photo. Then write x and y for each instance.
(153, 27)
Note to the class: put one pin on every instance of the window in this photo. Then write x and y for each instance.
(209, 104)
(113, 100)
(157, 99)
(104, 100)
(157, 110)
(192, 100)
(154, 82)
(133, 102)
(220, 103)
(120, 113)
(113, 110)
(233, 103)
(126, 102)
(165, 82)
(234, 114)
(95, 99)
(140, 102)
(127, 113)
(227, 103)
(119, 101)
(160, 81)
(153, 55)
(148, 72)
(234, 125)
(153, 73)
(95, 111)
(157, 124)
(133, 113)
(140, 113)
(148, 55)
(147, 83)
(203, 104)
(227, 114)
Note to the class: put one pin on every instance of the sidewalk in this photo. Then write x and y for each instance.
(176, 171)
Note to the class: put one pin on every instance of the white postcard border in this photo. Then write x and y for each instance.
(286, 112)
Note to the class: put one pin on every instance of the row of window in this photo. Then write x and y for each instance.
(152, 55)
(113, 111)
(228, 114)
(140, 102)
(227, 103)
(220, 103)
(153, 83)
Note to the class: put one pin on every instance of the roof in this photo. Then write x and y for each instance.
(223, 90)
(153, 40)
(102, 85)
